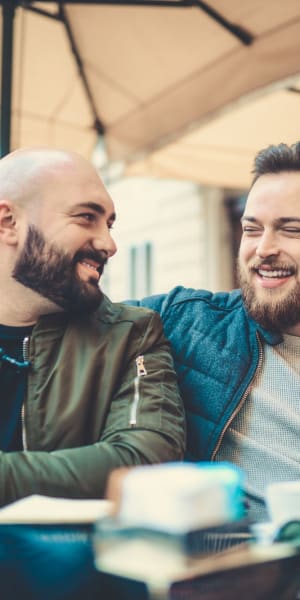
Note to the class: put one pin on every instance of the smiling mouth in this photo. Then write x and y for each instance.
(273, 273)
(90, 264)
(94, 268)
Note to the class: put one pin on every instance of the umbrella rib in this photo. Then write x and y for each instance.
(61, 16)
(239, 32)
(40, 11)
(98, 124)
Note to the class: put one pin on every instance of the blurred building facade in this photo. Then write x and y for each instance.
(170, 232)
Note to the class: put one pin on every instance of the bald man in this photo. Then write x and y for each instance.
(86, 385)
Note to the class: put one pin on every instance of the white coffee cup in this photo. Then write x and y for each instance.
(283, 501)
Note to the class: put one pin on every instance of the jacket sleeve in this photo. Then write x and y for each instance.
(162, 302)
(145, 424)
(153, 302)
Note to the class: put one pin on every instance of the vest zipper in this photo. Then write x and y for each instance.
(140, 372)
(242, 400)
(25, 350)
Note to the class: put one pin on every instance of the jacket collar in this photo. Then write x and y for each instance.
(107, 311)
(270, 337)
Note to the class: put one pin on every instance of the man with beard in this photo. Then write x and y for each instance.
(86, 385)
(237, 354)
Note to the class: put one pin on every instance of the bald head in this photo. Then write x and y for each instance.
(24, 171)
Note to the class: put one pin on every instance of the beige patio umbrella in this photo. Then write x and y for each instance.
(177, 90)
(221, 151)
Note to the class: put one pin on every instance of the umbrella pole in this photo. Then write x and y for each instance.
(8, 11)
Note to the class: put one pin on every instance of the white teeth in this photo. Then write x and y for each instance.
(89, 266)
(279, 273)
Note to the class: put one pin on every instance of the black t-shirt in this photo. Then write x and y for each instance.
(13, 382)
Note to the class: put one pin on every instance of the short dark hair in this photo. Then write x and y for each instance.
(275, 159)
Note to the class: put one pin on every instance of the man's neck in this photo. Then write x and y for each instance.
(21, 307)
(14, 319)
(18, 305)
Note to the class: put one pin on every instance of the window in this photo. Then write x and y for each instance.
(140, 270)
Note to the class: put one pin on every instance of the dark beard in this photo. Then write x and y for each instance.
(50, 272)
(279, 316)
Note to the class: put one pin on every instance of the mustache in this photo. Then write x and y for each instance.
(95, 255)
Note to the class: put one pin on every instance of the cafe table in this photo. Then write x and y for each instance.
(85, 556)
(212, 566)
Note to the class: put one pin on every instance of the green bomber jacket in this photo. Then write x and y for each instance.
(102, 393)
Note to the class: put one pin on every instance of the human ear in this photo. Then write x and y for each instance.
(8, 229)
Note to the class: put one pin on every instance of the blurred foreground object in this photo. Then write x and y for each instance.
(178, 497)
(169, 512)
(283, 501)
(179, 523)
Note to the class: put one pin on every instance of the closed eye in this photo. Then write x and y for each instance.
(291, 229)
(251, 229)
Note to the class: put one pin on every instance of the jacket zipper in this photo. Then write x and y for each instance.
(140, 372)
(25, 350)
(242, 400)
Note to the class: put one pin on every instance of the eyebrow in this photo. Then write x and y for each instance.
(280, 221)
(98, 208)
